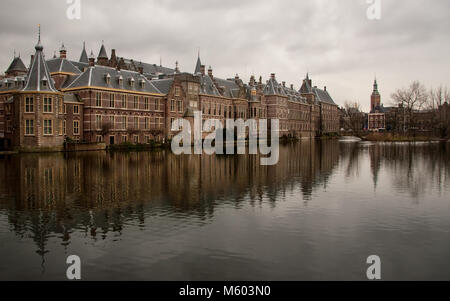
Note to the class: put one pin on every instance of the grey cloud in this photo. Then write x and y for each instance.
(333, 40)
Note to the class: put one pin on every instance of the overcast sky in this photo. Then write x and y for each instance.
(333, 40)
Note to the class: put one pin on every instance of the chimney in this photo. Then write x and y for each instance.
(272, 76)
(292, 87)
(252, 80)
(284, 84)
(113, 53)
(325, 88)
(141, 68)
(210, 72)
(92, 59)
(203, 69)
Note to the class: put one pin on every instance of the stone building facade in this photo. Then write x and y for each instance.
(117, 100)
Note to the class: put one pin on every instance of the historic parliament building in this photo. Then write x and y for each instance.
(114, 100)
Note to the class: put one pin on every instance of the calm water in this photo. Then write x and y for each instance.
(317, 215)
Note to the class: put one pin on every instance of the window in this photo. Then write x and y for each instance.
(172, 105)
(76, 110)
(146, 104)
(99, 138)
(98, 99)
(29, 127)
(98, 122)
(47, 105)
(48, 127)
(180, 106)
(177, 91)
(29, 105)
(124, 139)
(136, 123)
(112, 120)
(136, 139)
(147, 123)
(76, 127)
(135, 102)
(8, 126)
(111, 100)
(124, 101)
(64, 127)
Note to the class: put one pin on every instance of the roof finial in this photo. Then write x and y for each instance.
(160, 61)
(39, 40)
(14, 53)
(39, 46)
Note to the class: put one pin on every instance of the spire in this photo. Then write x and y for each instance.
(375, 86)
(102, 54)
(84, 57)
(198, 66)
(39, 46)
(39, 78)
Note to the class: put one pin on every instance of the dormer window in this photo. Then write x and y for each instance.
(120, 80)
(44, 82)
(107, 78)
(132, 82)
(142, 83)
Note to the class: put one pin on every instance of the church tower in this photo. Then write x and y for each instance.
(375, 99)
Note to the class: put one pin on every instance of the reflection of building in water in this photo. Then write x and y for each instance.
(100, 192)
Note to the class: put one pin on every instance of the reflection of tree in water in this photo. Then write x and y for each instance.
(49, 196)
(413, 168)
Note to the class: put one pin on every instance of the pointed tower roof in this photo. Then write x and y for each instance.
(17, 65)
(102, 54)
(198, 66)
(375, 87)
(39, 78)
(84, 56)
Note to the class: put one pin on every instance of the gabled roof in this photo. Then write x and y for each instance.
(274, 88)
(84, 57)
(17, 65)
(39, 78)
(96, 77)
(323, 96)
(306, 87)
(60, 65)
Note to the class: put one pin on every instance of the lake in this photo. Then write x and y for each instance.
(317, 215)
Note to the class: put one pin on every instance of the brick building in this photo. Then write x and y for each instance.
(117, 100)
(377, 116)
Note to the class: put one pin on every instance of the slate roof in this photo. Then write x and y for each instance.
(198, 66)
(151, 69)
(39, 73)
(84, 56)
(70, 97)
(11, 84)
(17, 65)
(81, 66)
(231, 89)
(306, 87)
(323, 96)
(163, 85)
(102, 54)
(207, 86)
(96, 77)
(62, 65)
(294, 95)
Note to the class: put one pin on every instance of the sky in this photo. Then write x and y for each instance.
(333, 40)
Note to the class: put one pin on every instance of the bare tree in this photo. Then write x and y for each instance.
(411, 99)
(105, 128)
(354, 117)
(438, 97)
